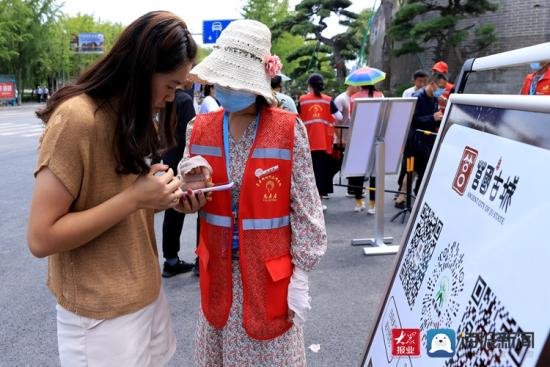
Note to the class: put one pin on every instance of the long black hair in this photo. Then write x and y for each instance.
(316, 82)
(157, 42)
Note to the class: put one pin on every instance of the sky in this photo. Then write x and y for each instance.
(193, 12)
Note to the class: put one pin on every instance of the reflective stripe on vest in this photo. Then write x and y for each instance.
(274, 153)
(316, 121)
(216, 220)
(309, 101)
(206, 150)
(249, 224)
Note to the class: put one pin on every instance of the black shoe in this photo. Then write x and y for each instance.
(178, 268)
(401, 205)
(196, 268)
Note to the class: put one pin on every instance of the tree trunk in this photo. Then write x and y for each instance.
(340, 65)
(387, 46)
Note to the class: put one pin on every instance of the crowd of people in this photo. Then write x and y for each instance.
(139, 145)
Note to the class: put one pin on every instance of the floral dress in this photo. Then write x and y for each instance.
(231, 346)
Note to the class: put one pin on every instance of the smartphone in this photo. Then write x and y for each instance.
(215, 188)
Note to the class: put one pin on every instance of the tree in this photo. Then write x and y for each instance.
(266, 11)
(23, 37)
(441, 27)
(309, 20)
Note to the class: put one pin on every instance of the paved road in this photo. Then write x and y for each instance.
(346, 287)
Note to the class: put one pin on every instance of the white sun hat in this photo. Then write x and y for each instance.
(241, 60)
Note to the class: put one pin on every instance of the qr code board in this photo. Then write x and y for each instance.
(419, 252)
(484, 314)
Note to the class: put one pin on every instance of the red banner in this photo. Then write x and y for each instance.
(7, 90)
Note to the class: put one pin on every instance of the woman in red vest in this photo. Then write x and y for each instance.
(259, 240)
(318, 112)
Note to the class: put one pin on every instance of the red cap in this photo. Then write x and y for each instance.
(441, 67)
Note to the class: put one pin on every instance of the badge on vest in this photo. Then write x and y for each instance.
(263, 172)
(269, 182)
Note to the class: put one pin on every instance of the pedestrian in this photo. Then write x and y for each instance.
(342, 102)
(209, 103)
(537, 82)
(420, 77)
(181, 112)
(426, 117)
(283, 101)
(39, 92)
(365, 91)
(259, 240)
(446, 89)
(45, 94)
(95, 196)
(318, 112)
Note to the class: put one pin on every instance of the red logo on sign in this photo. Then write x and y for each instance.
(405, 342)
(465, 168)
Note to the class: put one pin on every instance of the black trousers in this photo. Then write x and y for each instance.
(171, 232)
(321, 168)
(358, 182)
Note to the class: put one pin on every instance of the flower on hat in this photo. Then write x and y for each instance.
(273, 65)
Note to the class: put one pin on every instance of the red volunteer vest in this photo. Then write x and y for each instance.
(446, 93)
(263, 219)
(316, 115)
(543, 85)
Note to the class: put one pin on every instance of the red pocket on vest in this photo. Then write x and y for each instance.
(279, 270)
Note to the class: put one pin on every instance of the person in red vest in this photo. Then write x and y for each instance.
(366, 91)
(318, 112)
(538, 82)
(443, 94)
(259, 240)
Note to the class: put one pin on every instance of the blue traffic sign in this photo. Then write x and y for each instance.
(211, 29)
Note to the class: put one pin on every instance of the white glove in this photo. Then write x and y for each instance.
(298, 296)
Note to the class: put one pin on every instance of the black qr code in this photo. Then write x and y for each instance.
(486, 314)
(419, 252)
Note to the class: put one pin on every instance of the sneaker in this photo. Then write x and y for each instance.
(178, 268)
(359, 205)
(371, 211)
(325, 197)
(324, 208)
(349, 195)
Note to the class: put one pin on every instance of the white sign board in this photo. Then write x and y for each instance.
(475, 255)
(398, 119)
(365, 119)
(374, 117)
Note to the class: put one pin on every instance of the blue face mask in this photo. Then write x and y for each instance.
(233, 100)
(438, 92)
(535, 66)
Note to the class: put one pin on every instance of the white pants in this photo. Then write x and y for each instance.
(143, 338)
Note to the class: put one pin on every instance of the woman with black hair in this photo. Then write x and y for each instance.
(96, 193)
(318, 112)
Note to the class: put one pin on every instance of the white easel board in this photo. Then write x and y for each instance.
(374, 117)
(474, 257)
(398, 119)
(359, 153)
